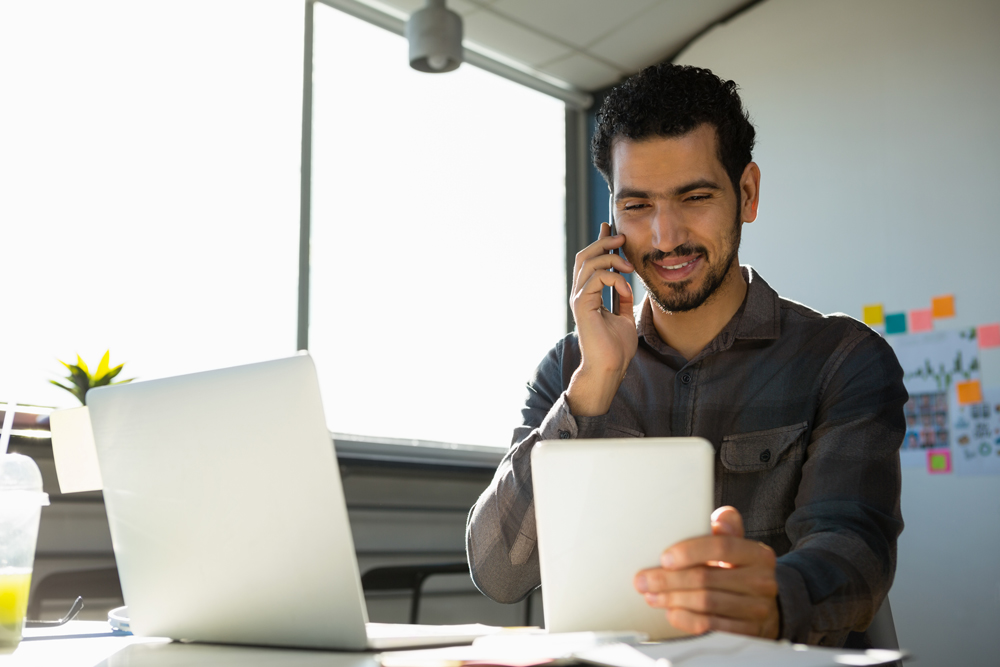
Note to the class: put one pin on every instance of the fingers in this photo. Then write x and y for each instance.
(713, 603)
(743, 581)
(588, 295)
(727, 521)
(600, 248)
(695, 623)
(734, 551)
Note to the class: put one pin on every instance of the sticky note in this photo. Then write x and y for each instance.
(938, 461)
(988, 335)
(921, 319)
(74, 451)
(873, 314)
(943, 306)
(895, 323)
(969, 392)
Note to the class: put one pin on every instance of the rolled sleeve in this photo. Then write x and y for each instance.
(500, 530)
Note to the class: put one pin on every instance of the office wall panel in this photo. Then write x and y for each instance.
(878, 147)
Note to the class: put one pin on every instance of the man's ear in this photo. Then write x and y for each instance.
(749, 192)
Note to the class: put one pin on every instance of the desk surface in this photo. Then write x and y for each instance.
(92, 644)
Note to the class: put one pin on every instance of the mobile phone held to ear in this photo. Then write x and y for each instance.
(615, 299)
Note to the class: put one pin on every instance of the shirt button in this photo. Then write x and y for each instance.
(686, 378)
(564, 435)
(765, 456)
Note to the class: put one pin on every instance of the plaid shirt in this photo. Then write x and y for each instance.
(805, 412)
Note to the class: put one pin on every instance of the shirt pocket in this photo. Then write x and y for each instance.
(760, 475)
(619, 431)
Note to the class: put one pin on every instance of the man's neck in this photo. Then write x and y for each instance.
(689, 332)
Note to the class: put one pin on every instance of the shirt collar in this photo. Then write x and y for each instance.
(759, 318)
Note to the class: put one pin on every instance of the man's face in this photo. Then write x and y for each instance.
(676, 207)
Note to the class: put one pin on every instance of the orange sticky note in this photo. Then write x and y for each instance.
(943, 306)
(873, 314)
(988, 335)
(921, 319)
(969, 392)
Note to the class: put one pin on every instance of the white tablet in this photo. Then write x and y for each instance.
(605, 509)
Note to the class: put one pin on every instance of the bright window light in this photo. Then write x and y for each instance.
(149, 186)
(437, 246)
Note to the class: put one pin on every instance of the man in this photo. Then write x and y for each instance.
(805, 410)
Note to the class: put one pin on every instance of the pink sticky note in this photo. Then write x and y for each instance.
(988, 335)
(921, 319)
(939, 461)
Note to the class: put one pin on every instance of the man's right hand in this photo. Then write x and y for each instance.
(607, 342)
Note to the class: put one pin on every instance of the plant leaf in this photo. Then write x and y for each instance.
(62, 386)
(80, 379)
(102, 368)
(115, 371)
(73, 390)
(82, 364)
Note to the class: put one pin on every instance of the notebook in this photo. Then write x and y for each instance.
(227, 512)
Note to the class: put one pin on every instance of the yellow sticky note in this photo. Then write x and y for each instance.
(969, 392)
(873, 314)
(943, 306)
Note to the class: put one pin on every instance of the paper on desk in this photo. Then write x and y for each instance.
(721, 649)
(74, 451)
(510, 649)
(718, 649)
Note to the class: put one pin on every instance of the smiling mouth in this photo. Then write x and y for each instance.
(678, 266)
(677, 270)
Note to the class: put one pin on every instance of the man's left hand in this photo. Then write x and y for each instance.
(717, 582)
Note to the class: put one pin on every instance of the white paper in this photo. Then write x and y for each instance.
(722, 649)
(74, 451)
(717, 649)
(976, 438)
(932, 363)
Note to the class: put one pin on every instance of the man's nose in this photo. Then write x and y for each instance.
(668, 228)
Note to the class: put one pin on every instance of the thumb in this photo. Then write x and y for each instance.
(727, 521)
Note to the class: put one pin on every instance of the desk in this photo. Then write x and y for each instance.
(91, 644)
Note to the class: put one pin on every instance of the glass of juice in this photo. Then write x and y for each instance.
(21, 502)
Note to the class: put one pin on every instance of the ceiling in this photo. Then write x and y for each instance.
(589, 44)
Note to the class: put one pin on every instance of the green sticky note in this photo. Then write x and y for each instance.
(895, 323)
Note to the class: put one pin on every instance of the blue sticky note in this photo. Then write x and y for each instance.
(895, 323)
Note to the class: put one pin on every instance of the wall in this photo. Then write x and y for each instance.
(880, 158)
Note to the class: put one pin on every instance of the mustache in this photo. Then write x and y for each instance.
(683, 250)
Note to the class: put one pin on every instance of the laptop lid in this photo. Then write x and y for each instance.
(605, 509)
(226, 508)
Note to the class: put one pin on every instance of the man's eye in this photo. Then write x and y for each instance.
(698, 197)
(632, 207)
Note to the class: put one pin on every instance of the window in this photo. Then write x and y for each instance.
(437, 240)
(149, 186)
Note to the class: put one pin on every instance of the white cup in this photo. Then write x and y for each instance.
(21, 502)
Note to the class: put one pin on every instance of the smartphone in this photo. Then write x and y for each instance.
(615, 299)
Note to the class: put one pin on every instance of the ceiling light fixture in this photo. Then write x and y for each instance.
(435, 37)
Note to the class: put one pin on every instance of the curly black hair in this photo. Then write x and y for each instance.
(668, 100)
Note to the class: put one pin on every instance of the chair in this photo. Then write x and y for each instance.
(101, 583)
(408, 577)
(882, 631)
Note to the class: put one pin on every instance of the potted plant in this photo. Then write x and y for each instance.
(81, 380)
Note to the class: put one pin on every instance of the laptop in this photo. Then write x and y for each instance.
(227, 513)
(606, 509)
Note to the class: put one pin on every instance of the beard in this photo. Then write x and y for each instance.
(680, 297)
